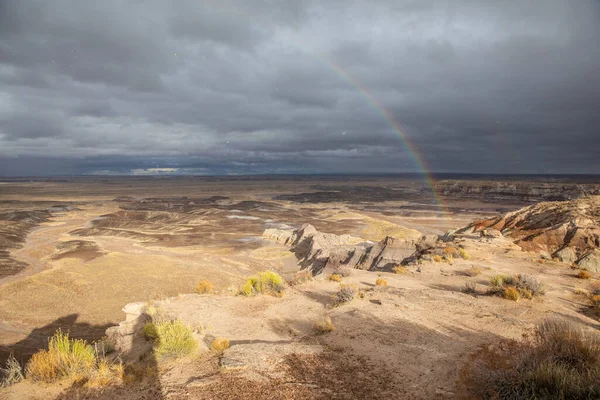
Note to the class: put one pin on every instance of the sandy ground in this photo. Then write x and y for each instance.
(407, 340)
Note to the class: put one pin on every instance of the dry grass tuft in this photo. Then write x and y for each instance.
(560, 361)
(346, 294)
(342, 271)
(380, 282)
(204, 286)
(525, 286)
(511, 293)
(470, 288)
(581, 291)
(12, 373)
(219, 345)
(267, 282)
(584, 275)
(171, 339)
(400, 269)
(473, 271)
(437, 258)
(324, 326)
(73, 359)
(334, 278)
(463, 254)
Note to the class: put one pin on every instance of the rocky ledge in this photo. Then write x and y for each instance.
(566, 230)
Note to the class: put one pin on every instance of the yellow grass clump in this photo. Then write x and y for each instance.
(511, 293)
(334, 278)
(400, 269)
(324, 326)
(381, 282)
(73, 359)
(171, 339)
(204, 286)
(219, 345)
(584, 275)
(463, 254)
(437, 258)
(267, 282)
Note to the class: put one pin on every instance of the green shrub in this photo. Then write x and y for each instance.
(267, 282)
(560, 361)
(171, 338)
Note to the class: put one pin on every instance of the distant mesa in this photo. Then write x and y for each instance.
(566, 230)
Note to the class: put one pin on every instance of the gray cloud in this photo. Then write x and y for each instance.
(297, 86)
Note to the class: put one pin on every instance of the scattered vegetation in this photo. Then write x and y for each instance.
(74, 359)
(219, 345)
(400, 269)
(171, 338)
(473, 271)
(324, 326)
(345, 295)
(204, 286)
(584, 275)
(334, 278)
(380, 282)
(12, 373)
(560, 361)
(515, 287)
(267, 282)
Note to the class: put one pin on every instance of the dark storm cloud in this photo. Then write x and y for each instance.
(257, 86)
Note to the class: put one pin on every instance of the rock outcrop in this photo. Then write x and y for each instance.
(568, 230)
(316, 250)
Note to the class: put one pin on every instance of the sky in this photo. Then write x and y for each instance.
(206, 87)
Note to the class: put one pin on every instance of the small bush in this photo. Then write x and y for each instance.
(324, 326)
(437, 258)
(204, 286)
(470, 288)
(580, 291)
(334, 278)
(345, 295)
(12, 373)
(219, 345)
(65, 357)
(511, 293)
(450, 251)
(463, 254)
(584, 275)
(473, 271)
(171, 338)
(380, 282)
(267, 282)
(497, 281)
(560, 361)
(400, 269)
(529, 283)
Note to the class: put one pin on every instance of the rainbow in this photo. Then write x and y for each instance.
(380, 109)
(370, 99)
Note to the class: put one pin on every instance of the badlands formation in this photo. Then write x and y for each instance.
(422, 305)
